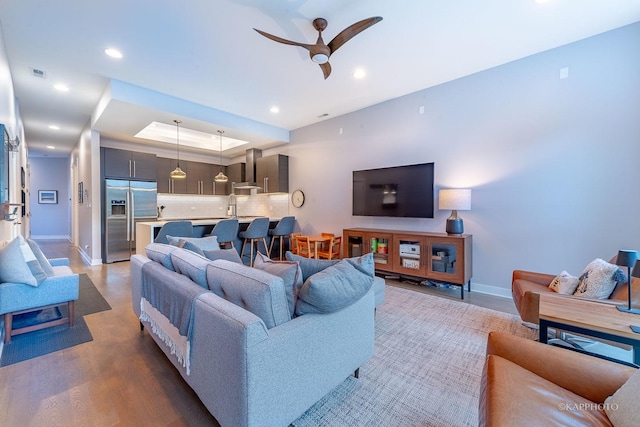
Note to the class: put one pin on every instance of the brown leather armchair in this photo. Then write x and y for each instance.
(526, 383)
(526, 287)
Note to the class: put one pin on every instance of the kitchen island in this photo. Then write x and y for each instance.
(147, 231)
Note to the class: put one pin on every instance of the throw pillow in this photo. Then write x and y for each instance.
(311, 266)
(333, 289)
(564, 284)
(185, 244)
(207, 243)
(228, 254)
(288, 271)
(42, 260)
(17, 264)
(161, 253)
(192, 265)
(622, 407)
(598, 279)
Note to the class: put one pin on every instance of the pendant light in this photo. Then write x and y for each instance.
(221, 177)
(178, 173)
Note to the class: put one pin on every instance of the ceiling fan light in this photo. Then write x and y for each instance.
(320, 58)
(178, 173)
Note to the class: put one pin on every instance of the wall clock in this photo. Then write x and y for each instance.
(297, 198)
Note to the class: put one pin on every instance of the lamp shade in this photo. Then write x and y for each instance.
(626, 258)
(454, 199)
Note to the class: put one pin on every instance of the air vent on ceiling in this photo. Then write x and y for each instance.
(38, 73)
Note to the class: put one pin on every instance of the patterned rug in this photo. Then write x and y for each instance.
(44, 341)
(426, 370)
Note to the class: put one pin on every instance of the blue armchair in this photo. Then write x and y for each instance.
(61, 288)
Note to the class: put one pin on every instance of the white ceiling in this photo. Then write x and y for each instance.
(201, 62)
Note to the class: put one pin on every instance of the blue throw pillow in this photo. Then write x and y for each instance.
(18, 264)
(288, 271)
(207, 243)
(311, 266)
(228, 254)
(333, 289)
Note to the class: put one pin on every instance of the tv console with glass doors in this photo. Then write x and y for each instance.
(437, 257)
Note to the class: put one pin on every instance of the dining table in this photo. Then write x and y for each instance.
(317, 240)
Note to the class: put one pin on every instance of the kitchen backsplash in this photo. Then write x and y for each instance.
(181, 206)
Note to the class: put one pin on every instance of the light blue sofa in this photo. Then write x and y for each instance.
(249, 362)
(61, 288)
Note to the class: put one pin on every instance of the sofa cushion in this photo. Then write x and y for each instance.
(42, 260)
(192, 265)
(622, 408)
(228, 254)
(161, 253)
(333, 288)
(207, 243)
(564, 283)
(18, 264)
(254, 290)
(311, 266)
(598, 279)
(288, 271)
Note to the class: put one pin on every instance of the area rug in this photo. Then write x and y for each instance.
(427, 366)
(38, 343)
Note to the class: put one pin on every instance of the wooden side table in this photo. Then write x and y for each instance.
(599, 320)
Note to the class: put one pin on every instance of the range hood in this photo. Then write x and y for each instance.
(250, 171)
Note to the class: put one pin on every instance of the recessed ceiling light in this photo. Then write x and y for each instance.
(51, 147)
(359, 73)
(274, 109)
(54, 127)
(61, 87)
(114, 53)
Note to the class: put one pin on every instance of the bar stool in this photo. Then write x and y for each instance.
(257, 231)
(175, 229)
(226, 231)
(282, 231)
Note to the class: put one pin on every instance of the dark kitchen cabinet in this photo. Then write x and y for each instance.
(164, 167)
(236, 173)
(126, 164)
(272, 173)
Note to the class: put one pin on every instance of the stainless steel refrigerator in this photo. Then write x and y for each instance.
(126, 203)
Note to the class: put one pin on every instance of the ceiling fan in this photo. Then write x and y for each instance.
(320, 52)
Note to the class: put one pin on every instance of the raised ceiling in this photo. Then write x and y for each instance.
(201, 62)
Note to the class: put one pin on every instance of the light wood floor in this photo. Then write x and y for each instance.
(121, 378)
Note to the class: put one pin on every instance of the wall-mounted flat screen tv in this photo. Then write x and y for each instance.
(400, 191)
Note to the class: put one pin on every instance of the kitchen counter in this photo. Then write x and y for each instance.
(146, 231)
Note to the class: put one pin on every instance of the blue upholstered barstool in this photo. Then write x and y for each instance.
(174, 228)
(282, 231)
(226, 231)
(257, 231)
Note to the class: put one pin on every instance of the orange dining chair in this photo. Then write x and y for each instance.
(305, 247)
(334, 249)
(294, 245)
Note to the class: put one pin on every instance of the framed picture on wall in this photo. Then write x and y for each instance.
(80, 192)
(48, 196)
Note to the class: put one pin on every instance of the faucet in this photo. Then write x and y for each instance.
(232, 206)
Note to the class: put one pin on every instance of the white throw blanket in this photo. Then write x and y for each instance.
(169, 334)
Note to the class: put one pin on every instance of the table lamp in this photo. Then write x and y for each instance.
(456, 199)
(627, 258)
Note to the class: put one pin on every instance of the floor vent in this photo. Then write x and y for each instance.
(38, 73)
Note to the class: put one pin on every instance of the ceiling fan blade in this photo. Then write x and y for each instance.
(283, 41)
(326, 69)
(352, 31)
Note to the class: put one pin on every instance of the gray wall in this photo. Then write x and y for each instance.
(553, 163)
(50, 221)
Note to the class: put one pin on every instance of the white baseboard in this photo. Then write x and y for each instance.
(50, 237)
(491, 290)
(86, 258)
